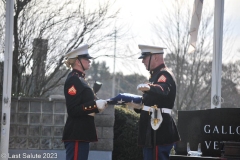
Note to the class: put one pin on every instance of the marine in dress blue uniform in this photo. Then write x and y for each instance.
(159, 91)
(82, 105)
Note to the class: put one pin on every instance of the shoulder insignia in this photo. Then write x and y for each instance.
(72, 91)
(170, 72)
(162, 78)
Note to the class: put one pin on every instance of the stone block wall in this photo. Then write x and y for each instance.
(104, 123)
(37, 123)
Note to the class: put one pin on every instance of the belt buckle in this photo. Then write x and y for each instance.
(155, 119)
(154, 107)
(150, 109)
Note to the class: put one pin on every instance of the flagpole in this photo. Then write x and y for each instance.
(114, 64)
(7, 81)
(217, 54)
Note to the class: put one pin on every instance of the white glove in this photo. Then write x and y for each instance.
(143, 87)
(101, 104)
(134, 105)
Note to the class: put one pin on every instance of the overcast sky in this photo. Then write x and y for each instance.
(139, 14)
(136, 17)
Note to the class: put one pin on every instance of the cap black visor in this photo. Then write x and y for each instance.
(87, 56)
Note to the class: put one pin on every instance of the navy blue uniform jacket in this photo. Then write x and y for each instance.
(80, 101)
(162, 93)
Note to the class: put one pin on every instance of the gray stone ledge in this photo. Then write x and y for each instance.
(107, 132)
(102, 144)
(109, 110)
(104, 120)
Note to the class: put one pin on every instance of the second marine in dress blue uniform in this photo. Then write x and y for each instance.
(162, 93)
(157, 141)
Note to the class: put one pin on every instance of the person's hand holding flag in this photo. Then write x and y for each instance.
(143, 87)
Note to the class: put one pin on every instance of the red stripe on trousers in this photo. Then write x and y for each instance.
(156, 152)
(76, 151)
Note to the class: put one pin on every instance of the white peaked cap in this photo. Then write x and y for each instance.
(151, 49)
(81, 51)
(147, 50)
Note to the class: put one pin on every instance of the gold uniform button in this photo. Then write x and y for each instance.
(90, 107)
(85, 107)
(94, 106)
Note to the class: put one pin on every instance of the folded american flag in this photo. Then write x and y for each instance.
(123, 98)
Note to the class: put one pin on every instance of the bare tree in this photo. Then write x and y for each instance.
(64, 25)
(172, 31)
(231, 85)
(192, 71)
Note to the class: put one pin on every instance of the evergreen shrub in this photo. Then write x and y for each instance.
(126, 135)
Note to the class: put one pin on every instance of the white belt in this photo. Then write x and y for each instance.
(164, 110)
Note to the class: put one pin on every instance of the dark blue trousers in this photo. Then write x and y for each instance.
(162, 152)
(76, 150)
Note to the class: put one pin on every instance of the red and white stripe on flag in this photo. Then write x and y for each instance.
(196, 18)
